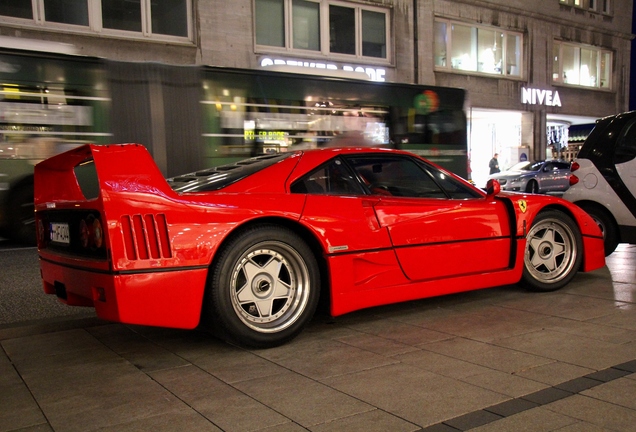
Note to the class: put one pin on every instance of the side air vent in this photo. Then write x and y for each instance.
(146, 236)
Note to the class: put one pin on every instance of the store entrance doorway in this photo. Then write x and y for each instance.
(490, 132)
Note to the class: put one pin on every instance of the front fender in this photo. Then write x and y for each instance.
(528, 206)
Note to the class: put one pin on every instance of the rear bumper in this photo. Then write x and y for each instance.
(155, 298)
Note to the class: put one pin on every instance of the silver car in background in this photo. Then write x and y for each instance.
(535, 177)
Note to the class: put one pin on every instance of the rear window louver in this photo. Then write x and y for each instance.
(216, 178)
(146, 236)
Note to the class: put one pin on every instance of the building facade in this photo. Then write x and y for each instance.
(531, 69)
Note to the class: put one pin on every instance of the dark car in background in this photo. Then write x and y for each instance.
(535, 177)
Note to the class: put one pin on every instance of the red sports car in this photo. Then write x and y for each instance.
(248, 248)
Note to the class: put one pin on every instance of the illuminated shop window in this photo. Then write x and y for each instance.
(581, 65)
(462, 47)
(165, 19)
(322, 26)
(599, 6)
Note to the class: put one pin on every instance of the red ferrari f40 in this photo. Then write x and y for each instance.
(248, 248)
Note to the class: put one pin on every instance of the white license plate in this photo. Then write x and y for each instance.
(59, 233)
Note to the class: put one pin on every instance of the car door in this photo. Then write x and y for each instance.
(556, 176)
(548, 177)
(438, 227)
(339, 208)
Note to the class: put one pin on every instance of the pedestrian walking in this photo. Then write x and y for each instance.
(494, 164)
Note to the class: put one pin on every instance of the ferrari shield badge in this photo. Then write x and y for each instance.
(523, 206)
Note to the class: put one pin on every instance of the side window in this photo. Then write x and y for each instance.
(452, 187)
(563, 165)
(626, 146)
(332, 178)
(396, 176)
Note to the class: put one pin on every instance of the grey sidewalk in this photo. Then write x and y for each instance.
(504, 358)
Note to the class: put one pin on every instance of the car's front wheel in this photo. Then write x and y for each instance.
(554, 250)
(264, 287)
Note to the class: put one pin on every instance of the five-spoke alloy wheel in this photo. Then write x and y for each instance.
(553, 251)
(264, 287)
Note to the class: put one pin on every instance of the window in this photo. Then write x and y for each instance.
(165, 19)
(581, 65)
(485, 50)
(626, 146)
(322, 26)
(385, 175)
(16, 8)
(270, 24)
(333, 178)
(66, 11)
(605, 6)
(591, 5)
(306, 25)
(121, 15)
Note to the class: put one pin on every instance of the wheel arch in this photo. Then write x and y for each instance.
(598, 206)
(568, 211)
(302, 231)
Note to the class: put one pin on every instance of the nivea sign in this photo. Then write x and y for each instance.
(534, 96)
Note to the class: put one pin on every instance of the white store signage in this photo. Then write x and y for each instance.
(374, 74)
(534, 96)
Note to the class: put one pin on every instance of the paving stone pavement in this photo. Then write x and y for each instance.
(502, 359)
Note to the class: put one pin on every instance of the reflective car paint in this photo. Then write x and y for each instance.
(537, 177)
(376, 249)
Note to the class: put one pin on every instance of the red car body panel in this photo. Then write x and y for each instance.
(159, 244)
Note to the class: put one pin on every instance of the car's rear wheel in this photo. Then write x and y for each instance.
(532, 187)
(554, 250)
(607, 225)
(264, 287)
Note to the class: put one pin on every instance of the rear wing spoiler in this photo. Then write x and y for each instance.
(119, 167)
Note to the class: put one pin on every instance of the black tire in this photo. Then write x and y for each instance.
(606, 223)
(554, 251)
(22, 215)
(264, 287)
(532, 187)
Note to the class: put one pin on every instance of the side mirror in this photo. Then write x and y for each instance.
(492, 188)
